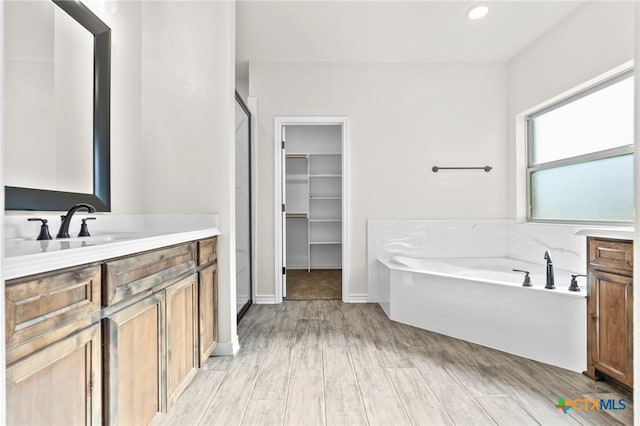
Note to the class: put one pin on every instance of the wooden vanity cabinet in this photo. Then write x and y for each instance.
(207, 298)
(115, 342)
(610, 310)
(53, 342)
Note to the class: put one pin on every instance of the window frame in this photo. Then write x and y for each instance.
(578, 159)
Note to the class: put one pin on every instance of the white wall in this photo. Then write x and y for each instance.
(405, 118)
(126, 105)
(188, 124)
(594, 39)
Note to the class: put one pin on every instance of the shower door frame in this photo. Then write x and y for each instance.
(252, 208)
(279, 123)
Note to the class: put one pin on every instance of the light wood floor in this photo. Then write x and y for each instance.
(328, 363)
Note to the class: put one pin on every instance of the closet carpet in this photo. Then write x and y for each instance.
(319, 284)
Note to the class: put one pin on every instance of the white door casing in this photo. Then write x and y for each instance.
(280, 197)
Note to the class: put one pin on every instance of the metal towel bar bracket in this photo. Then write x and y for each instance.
(485, 168)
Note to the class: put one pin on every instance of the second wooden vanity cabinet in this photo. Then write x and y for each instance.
(53, 347)
(610, 310)
(154, 328)
(114, 342)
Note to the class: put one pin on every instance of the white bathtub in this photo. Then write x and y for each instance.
(482, 301)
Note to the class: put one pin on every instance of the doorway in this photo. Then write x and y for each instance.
(312, 196)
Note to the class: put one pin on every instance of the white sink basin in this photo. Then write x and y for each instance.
(22, 246)
(106, 238)
(93, 239)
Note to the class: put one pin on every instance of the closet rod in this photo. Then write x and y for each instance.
(296, 215)
(485, 168)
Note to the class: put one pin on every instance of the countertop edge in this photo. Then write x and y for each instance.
(624, 234)
(30, 264)
(555, 292)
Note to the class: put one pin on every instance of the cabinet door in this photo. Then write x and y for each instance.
(613, 318)
(134, 346)
(182, 337)
(58, 385)
(208, 310)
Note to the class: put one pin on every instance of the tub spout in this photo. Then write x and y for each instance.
(550, 278)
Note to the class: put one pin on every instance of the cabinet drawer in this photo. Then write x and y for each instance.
(611, 254)
(207, 251)
(45, 308)
(135, 274)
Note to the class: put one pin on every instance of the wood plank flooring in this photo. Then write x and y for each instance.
(329, 363)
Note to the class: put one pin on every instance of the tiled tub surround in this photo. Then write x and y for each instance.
(111, 236)
(451, 277)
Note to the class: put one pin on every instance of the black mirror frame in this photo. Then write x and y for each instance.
(17, 198)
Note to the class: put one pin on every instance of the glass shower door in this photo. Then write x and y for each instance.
(243, 208)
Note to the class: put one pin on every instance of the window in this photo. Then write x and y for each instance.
(580, 156)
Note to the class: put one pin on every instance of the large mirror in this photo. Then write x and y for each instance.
(57, 101)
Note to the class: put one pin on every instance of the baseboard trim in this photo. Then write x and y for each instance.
(265, 300)
(227, 348)
(357, 298)
(271, 300)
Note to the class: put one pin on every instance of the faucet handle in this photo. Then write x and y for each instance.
(44, 229)
(574, 282)
(527, 278)
(84, 230)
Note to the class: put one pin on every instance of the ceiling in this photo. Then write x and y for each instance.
(390, 31)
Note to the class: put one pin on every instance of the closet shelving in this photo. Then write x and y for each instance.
(314, 206)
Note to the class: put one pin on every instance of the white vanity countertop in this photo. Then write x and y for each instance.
(111, 236)
(622, 232)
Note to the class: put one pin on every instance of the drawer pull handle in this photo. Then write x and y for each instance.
(594, 316)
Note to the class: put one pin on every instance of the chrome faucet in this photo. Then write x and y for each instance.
(550, 279)
(63, 232)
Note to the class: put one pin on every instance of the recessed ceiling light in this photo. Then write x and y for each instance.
(477, 11)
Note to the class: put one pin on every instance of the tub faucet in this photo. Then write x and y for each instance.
(550, 279)
(63, 232)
